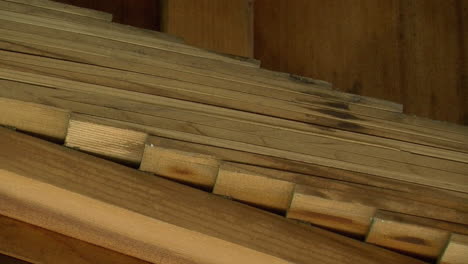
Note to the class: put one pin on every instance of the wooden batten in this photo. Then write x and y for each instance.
(121, 144)
(257, 189)
(418, 236)
(64, 8)
(42, 120)
(187, 167)
(327, 209)
(456, 251)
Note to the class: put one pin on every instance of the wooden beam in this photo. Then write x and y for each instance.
(153, 218)
(38, 245)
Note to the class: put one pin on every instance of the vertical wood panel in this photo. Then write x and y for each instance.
(224, 26)
(409, 51)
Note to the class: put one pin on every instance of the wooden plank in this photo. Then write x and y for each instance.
(119, 144)
(10, 260)
(53, 5)
(232, 32)
(259, 190)
(91, 45)
(191, 168)
(327, 209)
(57, 20)
(38, 245)
(246, 133)
(193, 226)
(45, 121)
(228, 99)
(414, 235)
(456, 251)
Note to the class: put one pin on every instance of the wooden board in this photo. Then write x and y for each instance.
(334, 117)
(46, 121)
(456, 251)
(131, 53)
(142, 205)
(255, 137)
(225, 27)
(38, 245)
(53, 5)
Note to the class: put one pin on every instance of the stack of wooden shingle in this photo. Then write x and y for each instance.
(289, 145)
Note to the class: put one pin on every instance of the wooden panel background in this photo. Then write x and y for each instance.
(408, 51)
(223, 26)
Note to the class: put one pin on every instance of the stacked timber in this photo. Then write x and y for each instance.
(358, 167)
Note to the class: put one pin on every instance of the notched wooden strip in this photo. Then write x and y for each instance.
(187, 167)
(116, 143)
(253, 188)
(456, 251)
(407, 236)
(326, 208)
(45, 121)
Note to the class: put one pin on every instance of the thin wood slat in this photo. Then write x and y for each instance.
(456, 251)
(38, 245)
(53, 5)
(414, 235)
(191, 226)
(247, 133)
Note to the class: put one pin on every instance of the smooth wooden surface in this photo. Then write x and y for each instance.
(223, 26)
(404, 234)
(456, 251)
(38, 245)
(412, 52)
(142, 205)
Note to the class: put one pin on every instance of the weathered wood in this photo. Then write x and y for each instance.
(414, 235)
(88, 47)
(253, 134)
(237, 100)
(53, 5)
(456, 251)
(39, 119)
(38, 245)
(192, 226)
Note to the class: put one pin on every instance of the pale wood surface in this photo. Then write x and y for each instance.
(143, 204)
(230, 129)
(37, 245)
(456, 251)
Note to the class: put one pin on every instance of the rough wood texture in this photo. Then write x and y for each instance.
(412, 52)
(192, 226)
(38, 245)
(223, 26)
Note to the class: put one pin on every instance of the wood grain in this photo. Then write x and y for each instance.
(38, 245)
(143, 205)
(225, 26)
(412, 52)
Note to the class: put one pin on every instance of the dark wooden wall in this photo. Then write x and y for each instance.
(408, 51)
